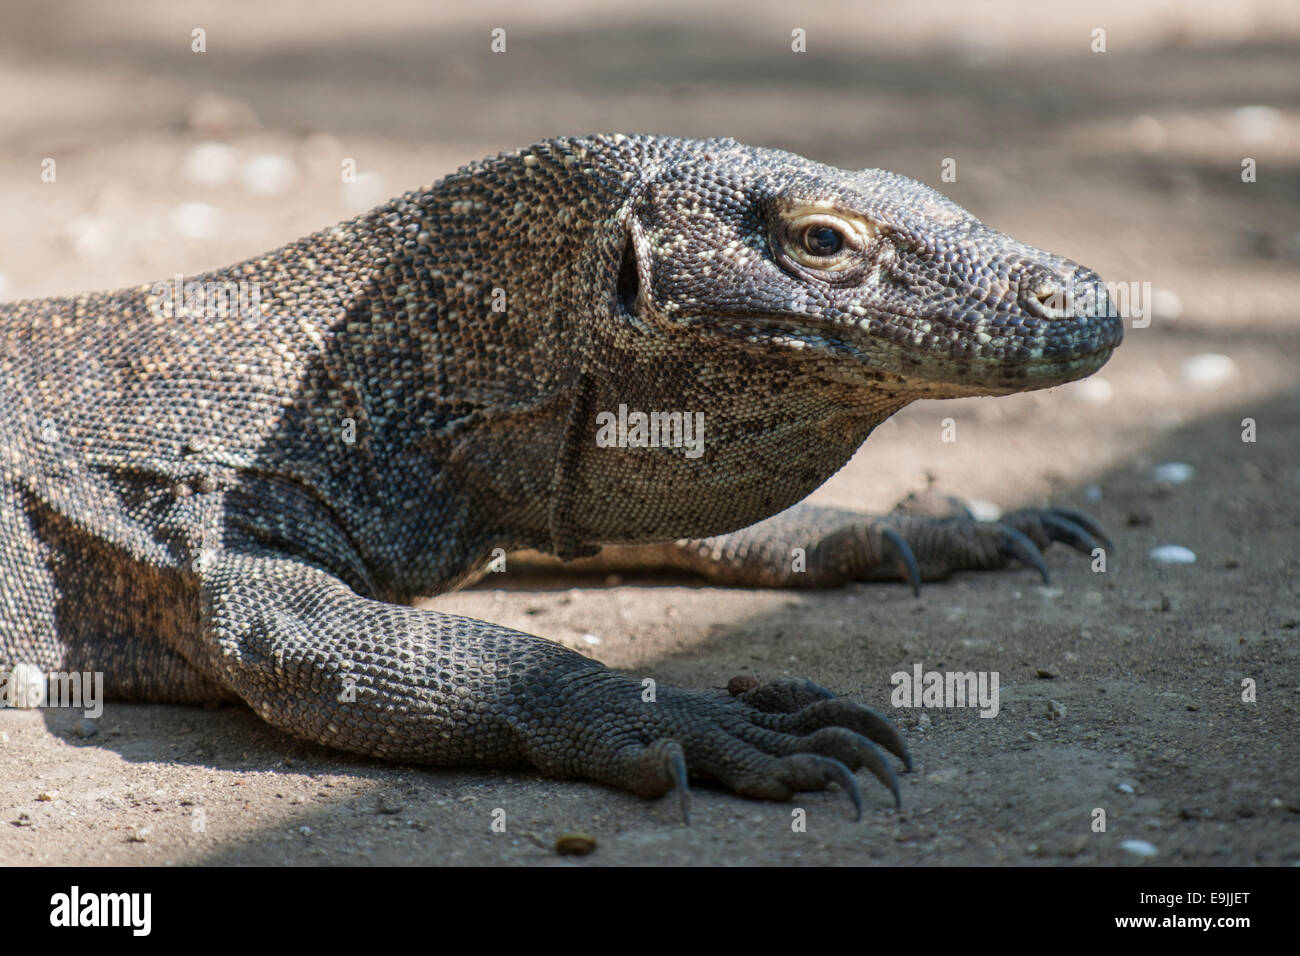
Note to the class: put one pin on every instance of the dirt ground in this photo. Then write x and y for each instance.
(1129, 161)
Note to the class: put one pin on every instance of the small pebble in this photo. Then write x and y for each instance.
(1139, 848)
(92, 236)
(1165, 304)
(267, 175)
(1092, 391)
(591, 639)
(741, 684)
(1074, 846)
(1173, 554)
(1173, 472)
(1208, 370)
(1126, 788)
(984, 510)
(139, 835)
(86, 727)
(1256, 124)
(209, 164)
(1055, 710)
(575, 844)
(1045, 673)
(45, 796)
(196, 220)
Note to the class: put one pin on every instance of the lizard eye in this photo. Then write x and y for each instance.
(822, 240)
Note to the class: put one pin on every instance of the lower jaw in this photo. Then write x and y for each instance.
(955, 378)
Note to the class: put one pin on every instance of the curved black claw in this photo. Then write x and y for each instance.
(906, 559)
(849, 783)
(1015, 544)
(848, 714)
(899, 750)
(677, 767)
(1067, 531)
(882, 730)
(882, 771)
(1087, 522)
(855, 751)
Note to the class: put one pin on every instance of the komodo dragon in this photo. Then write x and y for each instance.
(210, 496)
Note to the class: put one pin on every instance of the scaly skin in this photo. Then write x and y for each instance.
(206, 504)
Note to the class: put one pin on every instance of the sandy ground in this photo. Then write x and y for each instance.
(1129, 161)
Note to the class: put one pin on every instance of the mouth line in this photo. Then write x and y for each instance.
(921, 356)
(867, 336)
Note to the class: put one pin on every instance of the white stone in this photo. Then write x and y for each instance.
(1173, 554)
(1256, 124)
(267, 175)
(1165, 304)
(1208, 370)
(1092, 391)
(196, 220)
(209, 164)
(1173, 472)
(92, 236)
(1139, 848)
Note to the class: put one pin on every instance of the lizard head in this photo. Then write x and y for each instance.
(877, 278)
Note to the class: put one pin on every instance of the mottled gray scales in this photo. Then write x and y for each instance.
(214, 503)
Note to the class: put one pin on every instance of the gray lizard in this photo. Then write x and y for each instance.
(236, 491)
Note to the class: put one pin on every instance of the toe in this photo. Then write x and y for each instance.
(848, 714)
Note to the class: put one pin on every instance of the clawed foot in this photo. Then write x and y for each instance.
(771, 742)
(963, 543)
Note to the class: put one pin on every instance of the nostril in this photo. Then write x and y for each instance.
(1046, 297)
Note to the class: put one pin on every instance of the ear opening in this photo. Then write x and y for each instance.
(629, 277)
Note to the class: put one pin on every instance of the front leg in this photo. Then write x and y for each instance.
(318, 660)
(809, 546)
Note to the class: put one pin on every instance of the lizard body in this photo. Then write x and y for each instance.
(224, 500)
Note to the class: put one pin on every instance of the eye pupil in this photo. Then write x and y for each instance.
(822, 240)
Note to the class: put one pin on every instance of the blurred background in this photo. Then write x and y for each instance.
(167, 159)
(1130, 161)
